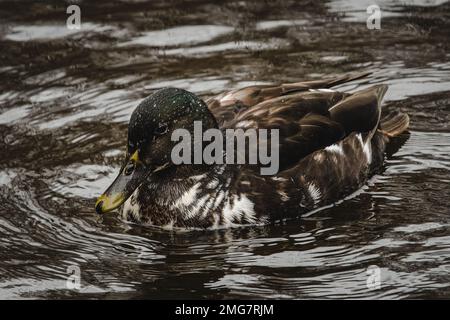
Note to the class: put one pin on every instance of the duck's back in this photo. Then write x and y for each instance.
(308, 115)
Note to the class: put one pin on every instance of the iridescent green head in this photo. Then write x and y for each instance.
(149, 143)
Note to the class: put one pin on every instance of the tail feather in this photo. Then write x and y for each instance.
(395, 125)
(360, 111)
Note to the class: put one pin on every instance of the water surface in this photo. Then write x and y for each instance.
(66, 97)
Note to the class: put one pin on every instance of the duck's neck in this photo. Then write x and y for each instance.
(184, 195)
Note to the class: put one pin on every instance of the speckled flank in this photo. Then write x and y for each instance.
(131, 209)
(239, 210)
(188, 198)
(219, 198)
(314, 193)
(213, 184)
(283, 196)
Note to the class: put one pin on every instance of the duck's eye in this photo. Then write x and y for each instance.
(162, 129)
(129, 168)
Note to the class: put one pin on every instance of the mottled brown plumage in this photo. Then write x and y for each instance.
(228, 105)
(308, 119)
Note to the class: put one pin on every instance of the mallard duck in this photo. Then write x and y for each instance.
(330, 143)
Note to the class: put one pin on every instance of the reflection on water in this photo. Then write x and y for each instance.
(215, 48)
(355, 10)
(182, 35)
(46, 32)
(66, 97)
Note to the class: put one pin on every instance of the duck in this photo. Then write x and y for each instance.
(329, 143)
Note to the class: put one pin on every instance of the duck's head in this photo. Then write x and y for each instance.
(149, 140)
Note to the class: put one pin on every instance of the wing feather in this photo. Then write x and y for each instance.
(307, 120)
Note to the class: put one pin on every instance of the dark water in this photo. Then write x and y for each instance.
(65, 99)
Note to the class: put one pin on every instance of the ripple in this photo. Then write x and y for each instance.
(14, 114)
(423, 150)
(228, 46)
(66, 98)
(273, 24)
(33, 32)
(181, 35)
